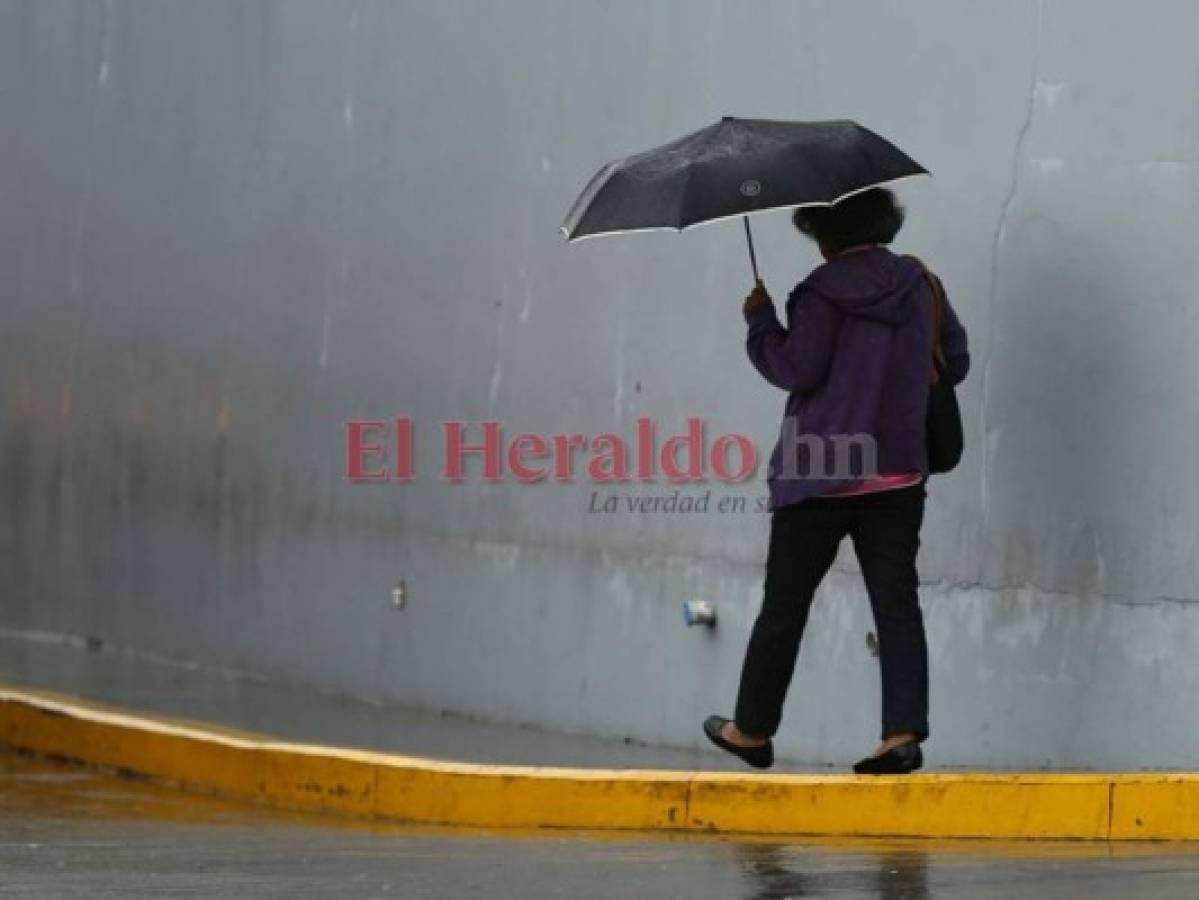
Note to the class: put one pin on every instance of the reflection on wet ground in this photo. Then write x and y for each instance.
(66, 832)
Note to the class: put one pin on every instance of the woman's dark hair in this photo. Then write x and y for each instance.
(871, 217)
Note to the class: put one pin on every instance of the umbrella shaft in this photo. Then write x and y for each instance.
(749, 239)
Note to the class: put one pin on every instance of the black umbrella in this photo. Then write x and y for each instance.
(733, 168)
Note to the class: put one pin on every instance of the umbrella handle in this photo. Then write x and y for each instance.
(749, 239)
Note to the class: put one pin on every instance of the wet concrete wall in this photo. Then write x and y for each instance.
(229, 227)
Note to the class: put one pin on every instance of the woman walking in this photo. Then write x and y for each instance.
(855, 358)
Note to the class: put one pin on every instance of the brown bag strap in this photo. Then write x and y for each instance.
(937, 293)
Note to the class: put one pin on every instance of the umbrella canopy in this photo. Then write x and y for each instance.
(732, 168)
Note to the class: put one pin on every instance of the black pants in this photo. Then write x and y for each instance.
(885, 529)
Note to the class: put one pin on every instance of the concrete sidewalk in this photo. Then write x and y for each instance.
(107, 675)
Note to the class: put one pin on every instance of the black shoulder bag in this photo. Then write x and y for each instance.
(943, 421)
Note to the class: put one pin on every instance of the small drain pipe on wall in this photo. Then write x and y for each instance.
(699, 612)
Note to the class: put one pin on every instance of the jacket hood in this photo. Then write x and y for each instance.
(871, 284)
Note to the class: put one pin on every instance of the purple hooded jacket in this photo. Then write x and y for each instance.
(855, 359)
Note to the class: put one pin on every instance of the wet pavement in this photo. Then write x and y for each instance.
(302, 714)
(69, 833)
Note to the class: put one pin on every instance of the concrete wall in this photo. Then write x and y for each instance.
(227, 227)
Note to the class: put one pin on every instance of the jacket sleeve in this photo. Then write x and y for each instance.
(795, 358)
(953, 345)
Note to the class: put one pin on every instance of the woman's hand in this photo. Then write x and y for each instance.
(756, 300)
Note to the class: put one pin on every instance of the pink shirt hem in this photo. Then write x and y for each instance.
(886, 482)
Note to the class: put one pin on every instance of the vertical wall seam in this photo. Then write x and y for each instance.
(375, 791)
(1111, 805)
(993, 290)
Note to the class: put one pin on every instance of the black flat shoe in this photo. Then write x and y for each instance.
(897, 761)
(759, 757)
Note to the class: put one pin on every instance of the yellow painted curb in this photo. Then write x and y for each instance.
(1155, 806)
(378, 785)
(963, 806)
